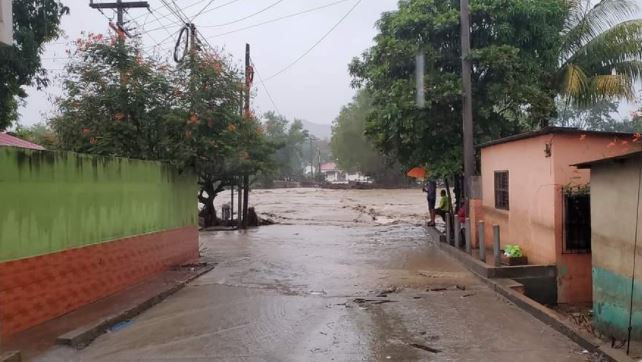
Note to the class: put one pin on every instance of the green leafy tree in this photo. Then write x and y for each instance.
(353, 150)
(119, 103)
(601, 116)
(290, 138)
(514, 54)
(601, 51)
(35, 22)
(39, 133)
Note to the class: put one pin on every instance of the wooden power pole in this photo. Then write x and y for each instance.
(248, 84)
(120, 7)
(467, 110)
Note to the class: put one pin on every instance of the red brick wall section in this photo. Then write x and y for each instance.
(36, 289)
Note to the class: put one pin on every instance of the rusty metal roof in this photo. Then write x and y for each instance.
(7, 140)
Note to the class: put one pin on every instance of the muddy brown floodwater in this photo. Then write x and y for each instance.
(346, 275)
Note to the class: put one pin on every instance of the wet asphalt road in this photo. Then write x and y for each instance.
(344, 276)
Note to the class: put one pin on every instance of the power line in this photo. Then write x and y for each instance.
(144, 33)
(203, 9)
(267, 91)
(277, 19)
(220, 6)
(180, 12)
(317, 43)
(173, 11)
(248, 16)
(164, 27)
(186, 7)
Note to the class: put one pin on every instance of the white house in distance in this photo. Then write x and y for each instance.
(6, 23)
(333, 174)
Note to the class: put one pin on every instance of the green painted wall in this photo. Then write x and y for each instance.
(611, 304)
(51, 201)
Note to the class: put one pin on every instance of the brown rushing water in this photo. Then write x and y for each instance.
(346, 275)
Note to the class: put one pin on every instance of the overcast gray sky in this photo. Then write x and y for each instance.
(314, 89)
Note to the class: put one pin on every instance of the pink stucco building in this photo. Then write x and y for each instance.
(541, 202)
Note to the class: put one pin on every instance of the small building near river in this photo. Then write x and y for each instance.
(542, 203)
(616, 238)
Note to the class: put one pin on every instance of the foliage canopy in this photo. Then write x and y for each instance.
(514, 54)
(35, 22)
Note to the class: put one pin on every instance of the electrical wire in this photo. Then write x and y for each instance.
(169, 34)
(635, 250)
(267, 91)
(173, 12)
(277, 19)
(317, 43)
(206, 42)
(247, 16)
(201, 11)
(181, 14)
(220, 6)
(185, 30)
(184, 8)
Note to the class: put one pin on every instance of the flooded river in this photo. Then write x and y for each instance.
(345, 275)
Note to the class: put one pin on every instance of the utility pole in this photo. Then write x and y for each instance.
(248, 84)
(120, 7)
(310, 138)
(238, 180)
(467, 110)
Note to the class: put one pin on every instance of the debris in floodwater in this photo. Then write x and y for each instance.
(317, 292)
(460, 287)
(384, 293)
(425, 348)
(362, 301)
(468, 295)
(440, 289)
(417, 297)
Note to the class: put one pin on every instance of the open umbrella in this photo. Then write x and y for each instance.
(417, 172)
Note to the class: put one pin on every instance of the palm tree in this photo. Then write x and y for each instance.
(601, 53)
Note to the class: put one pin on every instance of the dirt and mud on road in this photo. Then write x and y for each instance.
(346, 275)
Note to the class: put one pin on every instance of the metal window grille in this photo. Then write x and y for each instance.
(501, 190)
(577, 223)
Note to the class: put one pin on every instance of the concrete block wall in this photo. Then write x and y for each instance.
(76, 228)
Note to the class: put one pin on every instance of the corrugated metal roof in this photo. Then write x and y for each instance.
(551, 130)
(627, 156)
(328, 166)
(7, 140)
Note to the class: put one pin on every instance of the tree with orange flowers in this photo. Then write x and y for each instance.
(118, 102)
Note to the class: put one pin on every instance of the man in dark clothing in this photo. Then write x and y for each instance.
(430, 188)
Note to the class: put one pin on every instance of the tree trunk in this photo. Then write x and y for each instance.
(209, 212)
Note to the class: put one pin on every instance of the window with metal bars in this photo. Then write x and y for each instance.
(501, 190)
(577, 222)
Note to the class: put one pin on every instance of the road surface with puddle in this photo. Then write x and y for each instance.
(346, 275)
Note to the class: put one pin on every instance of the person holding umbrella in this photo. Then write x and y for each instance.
(430, 188)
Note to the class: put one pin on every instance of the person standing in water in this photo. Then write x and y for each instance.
(430, 188)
